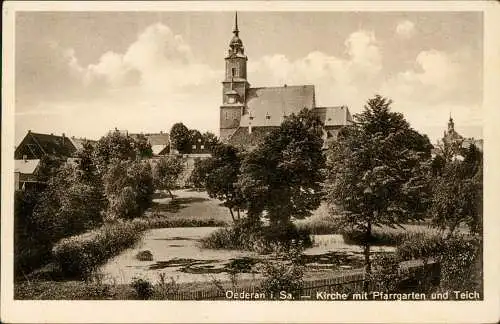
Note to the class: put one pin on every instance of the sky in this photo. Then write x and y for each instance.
(85, 73)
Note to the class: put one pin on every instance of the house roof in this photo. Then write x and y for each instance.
(158, 149)
(78, 142)
(242, 138)
(38, 145)
(268, 106)
(154, 138)
(26, 166)
(158, 139)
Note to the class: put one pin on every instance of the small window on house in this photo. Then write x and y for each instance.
(226, 115)
(202, 147)
(233, 72)
(194, 147)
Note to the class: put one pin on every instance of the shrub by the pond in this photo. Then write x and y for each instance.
(262, 239)
(144, 256)
(322, 225)
(80, 255)
(156, 221)
(390, 236)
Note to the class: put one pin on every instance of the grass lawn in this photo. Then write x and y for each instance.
(189, 204)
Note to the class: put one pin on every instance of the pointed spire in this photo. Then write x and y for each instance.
(236, 31)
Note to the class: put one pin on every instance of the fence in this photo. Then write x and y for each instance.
(348, 282)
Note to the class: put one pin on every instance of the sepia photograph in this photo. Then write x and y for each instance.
(243, 154)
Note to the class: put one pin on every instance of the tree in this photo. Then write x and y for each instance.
(71, 204)
(283, 175)
(180, 137)
(220, 175)
(114, 146)
(166, 173)
(198, 176)
(378, 171)
(458, 193)
(210, 140)
(129, 188)
(142, 146)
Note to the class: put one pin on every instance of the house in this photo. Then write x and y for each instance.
(160, 142)
(248, 114)
(25, 172)
(35, 146)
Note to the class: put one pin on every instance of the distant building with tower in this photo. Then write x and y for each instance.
(452, 138)
(248, 113)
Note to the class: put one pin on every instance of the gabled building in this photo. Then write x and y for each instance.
(160, 142)
(36, 145)
(25, 173)
(248, 113)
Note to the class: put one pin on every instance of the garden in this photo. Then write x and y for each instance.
(113, 225)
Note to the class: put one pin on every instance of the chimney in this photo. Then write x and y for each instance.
(63, 138)
(25, 158)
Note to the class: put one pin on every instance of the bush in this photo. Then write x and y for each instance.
(166, 222)
(322, 225)
(143, 288)
(80, 255)
(461, 264)
(144, 256)
(253, 237)
(460, 257)
(390, 236)
(284, 273)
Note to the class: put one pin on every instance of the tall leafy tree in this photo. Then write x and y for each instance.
(210, 140)
(113, 146)
(378, 170)
(458, 193)
(142, 146)
(166, 173)
(180, 137)
(220, 175)
(128, 186)
(283, 175)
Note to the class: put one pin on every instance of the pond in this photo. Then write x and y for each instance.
(177, 254)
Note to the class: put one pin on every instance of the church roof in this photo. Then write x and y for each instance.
(243, 139)
(334, 116)
(268, 106)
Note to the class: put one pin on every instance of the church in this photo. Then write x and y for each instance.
(248, 113)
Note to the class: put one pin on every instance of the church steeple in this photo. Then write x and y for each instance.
(235, 30)
(451, 125)
(235, 85)
(236, 45)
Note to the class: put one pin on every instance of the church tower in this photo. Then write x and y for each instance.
(234, 86)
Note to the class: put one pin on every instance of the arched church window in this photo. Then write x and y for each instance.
(233, 72)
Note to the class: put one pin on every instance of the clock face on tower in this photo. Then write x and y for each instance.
(231, 100)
